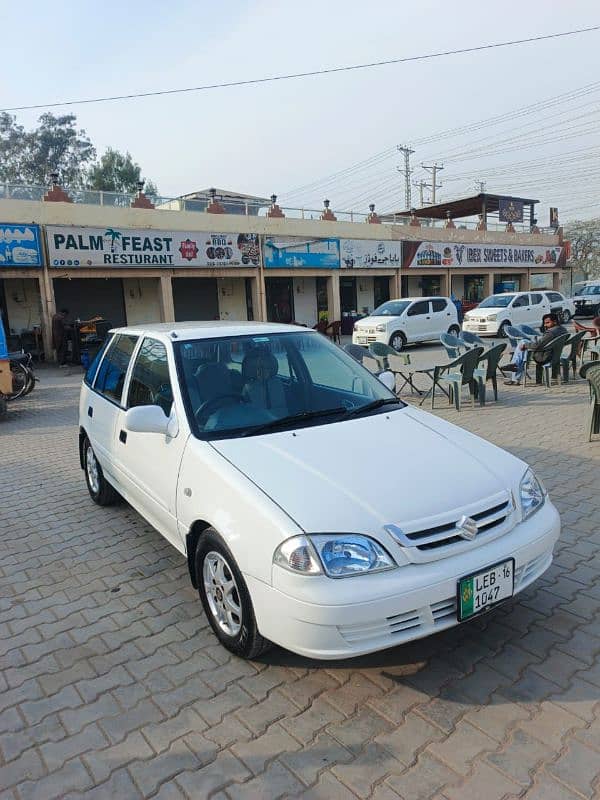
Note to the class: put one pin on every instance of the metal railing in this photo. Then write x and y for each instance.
(242, 207)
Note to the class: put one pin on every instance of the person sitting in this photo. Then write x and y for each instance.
(539, 350)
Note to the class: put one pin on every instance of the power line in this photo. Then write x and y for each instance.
(312, 73)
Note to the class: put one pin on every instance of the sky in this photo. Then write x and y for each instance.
(287, 137)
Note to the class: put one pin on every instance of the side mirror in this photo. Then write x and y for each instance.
(388, 379)
(148, 419)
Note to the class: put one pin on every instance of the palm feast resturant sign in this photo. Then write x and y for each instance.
(450, 254)
(130, 247)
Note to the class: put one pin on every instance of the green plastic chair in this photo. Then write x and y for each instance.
(591, 372)
(551, 368)
(490, 359)
(456, 375)
(392, 360)
(569, 362)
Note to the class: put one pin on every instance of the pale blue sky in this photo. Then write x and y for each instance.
(275, 137)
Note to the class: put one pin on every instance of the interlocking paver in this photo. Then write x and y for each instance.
(112, 684)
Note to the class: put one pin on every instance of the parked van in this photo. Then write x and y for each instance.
(407, 320)
(499, 311)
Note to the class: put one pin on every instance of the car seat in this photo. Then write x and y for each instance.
(261, 386)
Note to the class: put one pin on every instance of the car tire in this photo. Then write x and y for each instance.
(502, 329)
(101, 492)
(230, 614)
(398, 341)
(454, 330)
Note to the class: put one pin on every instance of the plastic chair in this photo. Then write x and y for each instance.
(470, 339)
(514, 335)
(529, 331)
(462, 376)
(392, 360)
(481, 374)
(591, 372)
(570, 360)
(550, 368)
(452, 344)
(363, 357)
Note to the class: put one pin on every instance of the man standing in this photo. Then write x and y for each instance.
(539, 350)
(60, 336)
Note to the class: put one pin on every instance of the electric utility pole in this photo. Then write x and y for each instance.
(433, 169)
(420, 185)
(481, 186)
(407, 151)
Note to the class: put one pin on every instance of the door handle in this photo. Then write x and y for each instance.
(123, 436)
(90, 411)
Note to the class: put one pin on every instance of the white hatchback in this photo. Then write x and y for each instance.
(410, 319)
(499, 311)
(315, 509)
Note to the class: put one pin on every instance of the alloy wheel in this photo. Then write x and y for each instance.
(222, 593)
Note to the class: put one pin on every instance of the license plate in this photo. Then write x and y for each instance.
(362, 339)
(482, 590)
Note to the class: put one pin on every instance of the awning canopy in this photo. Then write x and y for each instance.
(463, 207)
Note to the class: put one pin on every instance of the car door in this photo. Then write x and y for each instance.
(419, 324)
(104, 400)
(443, 315)
(540, 305)
(148, 463)
(520, 310)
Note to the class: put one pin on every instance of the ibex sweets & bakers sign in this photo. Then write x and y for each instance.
(128, 247)
(449, 254)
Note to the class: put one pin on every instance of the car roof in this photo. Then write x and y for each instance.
(413, 299)
(208, 329)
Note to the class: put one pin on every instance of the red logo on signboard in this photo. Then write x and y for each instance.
(188, 249)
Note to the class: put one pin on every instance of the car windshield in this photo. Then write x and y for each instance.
(245, 385)
(393, 308)
(496, 301)
(591, 290)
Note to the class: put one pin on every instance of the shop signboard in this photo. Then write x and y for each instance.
(510, 210)
(369, 253)
(473, 256)
(20, 246)
(80, 247)
(284, 252)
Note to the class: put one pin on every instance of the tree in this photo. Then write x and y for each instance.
(584, 236)
(117, 172)
(28, 157)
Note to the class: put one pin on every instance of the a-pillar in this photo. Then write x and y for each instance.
(334, 305)
(167, 307)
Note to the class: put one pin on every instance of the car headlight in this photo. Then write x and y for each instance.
(532, 493)
(355, 328)
(492, 318)
(380, 328)
(338, 555)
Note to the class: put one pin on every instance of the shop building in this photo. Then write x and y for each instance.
(141, 264)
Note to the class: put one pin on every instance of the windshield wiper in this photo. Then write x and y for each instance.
(301, 417)
(383, 401)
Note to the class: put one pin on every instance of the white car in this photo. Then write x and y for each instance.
(561, 305)
(497, 312)
(315, 509)
(587, 301)
(410, 319)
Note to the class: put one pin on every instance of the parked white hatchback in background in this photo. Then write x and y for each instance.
(561, 305)
(315, 509)
(408, 320)
(497, 312)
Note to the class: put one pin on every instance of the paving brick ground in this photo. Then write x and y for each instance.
(112, 685)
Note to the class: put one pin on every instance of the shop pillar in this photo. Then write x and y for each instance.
(167, 307)
(395, 290)
(334, 305)
(257, 298)
(488, 284)
(48, 311)
(556, 281)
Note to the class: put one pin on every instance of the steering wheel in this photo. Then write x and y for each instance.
(210, 406)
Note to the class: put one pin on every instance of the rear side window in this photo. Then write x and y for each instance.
(554, 297)
(150, 383)
(438, 305)
(419, 308)
(110, 378)
(93, 367)
(535, 299)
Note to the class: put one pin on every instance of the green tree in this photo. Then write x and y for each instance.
(117, 172)
(584, 236)
(29, 157)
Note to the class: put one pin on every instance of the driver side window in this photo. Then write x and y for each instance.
(521, 300)
(150, 384)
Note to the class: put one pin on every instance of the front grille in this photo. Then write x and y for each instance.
(425, 539)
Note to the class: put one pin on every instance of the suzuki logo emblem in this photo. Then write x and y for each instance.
(467, 528)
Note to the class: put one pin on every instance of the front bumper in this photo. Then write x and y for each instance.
(365, 338)
(481, 328)
(392, 607)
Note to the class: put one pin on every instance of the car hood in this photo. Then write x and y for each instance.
(484, 312)
(362, 474)
(370, 322)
